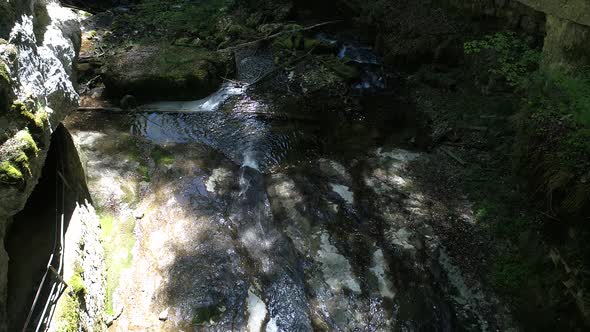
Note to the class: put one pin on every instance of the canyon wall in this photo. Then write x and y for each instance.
(39, 43)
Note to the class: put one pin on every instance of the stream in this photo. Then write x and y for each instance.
(242, 215)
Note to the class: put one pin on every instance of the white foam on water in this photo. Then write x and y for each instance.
(398, 154)
(344, 192)
(380, 270)
(208, 104)
(272, 326)
(249, 161)
(335, 267)
(256, 312)
(217, 175)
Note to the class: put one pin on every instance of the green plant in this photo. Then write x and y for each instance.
(514, 56)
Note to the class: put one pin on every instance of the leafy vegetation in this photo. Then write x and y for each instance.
(163, 18)
(514, 56)
(550, 144)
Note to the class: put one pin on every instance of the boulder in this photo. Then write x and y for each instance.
(163, 72)
(567, 44)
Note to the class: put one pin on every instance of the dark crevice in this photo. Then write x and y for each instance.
(31, 239)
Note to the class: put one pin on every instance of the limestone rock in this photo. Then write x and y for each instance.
(174, 72)
(567, 44)
(577, 11)
(36, 65)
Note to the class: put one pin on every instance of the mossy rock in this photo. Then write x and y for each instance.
(5, 87)
(15, 161)
(9, 173)
(208, 315)
(8, 15)
(164, 72)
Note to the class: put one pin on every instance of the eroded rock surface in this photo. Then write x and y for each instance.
(37, 93)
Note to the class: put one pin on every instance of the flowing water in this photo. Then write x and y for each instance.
(266, 219)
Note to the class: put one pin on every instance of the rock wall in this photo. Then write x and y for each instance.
(567, 27)
(39, 42)
(567, 43)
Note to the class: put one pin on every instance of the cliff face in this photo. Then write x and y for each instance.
(567, 43)
(39, 42)
(567, 27)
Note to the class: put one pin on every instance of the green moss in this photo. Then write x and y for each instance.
(4, 74)
(162, 157)
(28, 143)
(10, 174)
(118, 239)
(179, 64)
(129, 195)
(69, 314)
(144, 173)
(91, 34)
(77, 282)
(22, 160)
(343, 69)
(36, 120)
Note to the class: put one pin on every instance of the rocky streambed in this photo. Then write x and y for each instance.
(236, 212)
(297, 184)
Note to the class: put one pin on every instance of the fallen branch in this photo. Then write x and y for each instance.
(288, 64)
(278, 34)
(454, 156)
(100, 109)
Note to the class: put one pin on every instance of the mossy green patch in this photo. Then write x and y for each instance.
(5, 79)
(16, 163)
(68, 316)
(162, 157)
(34, 114)
(28, 145)
(10, 174)
(144, 172)
(91, 34)
(77, 282)
(553, 146)
(118, 239)
(342, 68)
(129, 195)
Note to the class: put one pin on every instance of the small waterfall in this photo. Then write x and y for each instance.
(276, 264)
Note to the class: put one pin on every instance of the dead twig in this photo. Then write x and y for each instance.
(454, 156)
(288, 64)
(233, 81)
(100, 109)
(278, 34)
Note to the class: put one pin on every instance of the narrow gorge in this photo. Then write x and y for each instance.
(294, 165)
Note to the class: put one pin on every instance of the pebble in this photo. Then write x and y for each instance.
(138, 214)
(164, 315)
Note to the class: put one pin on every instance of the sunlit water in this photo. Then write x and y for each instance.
(287, 250)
